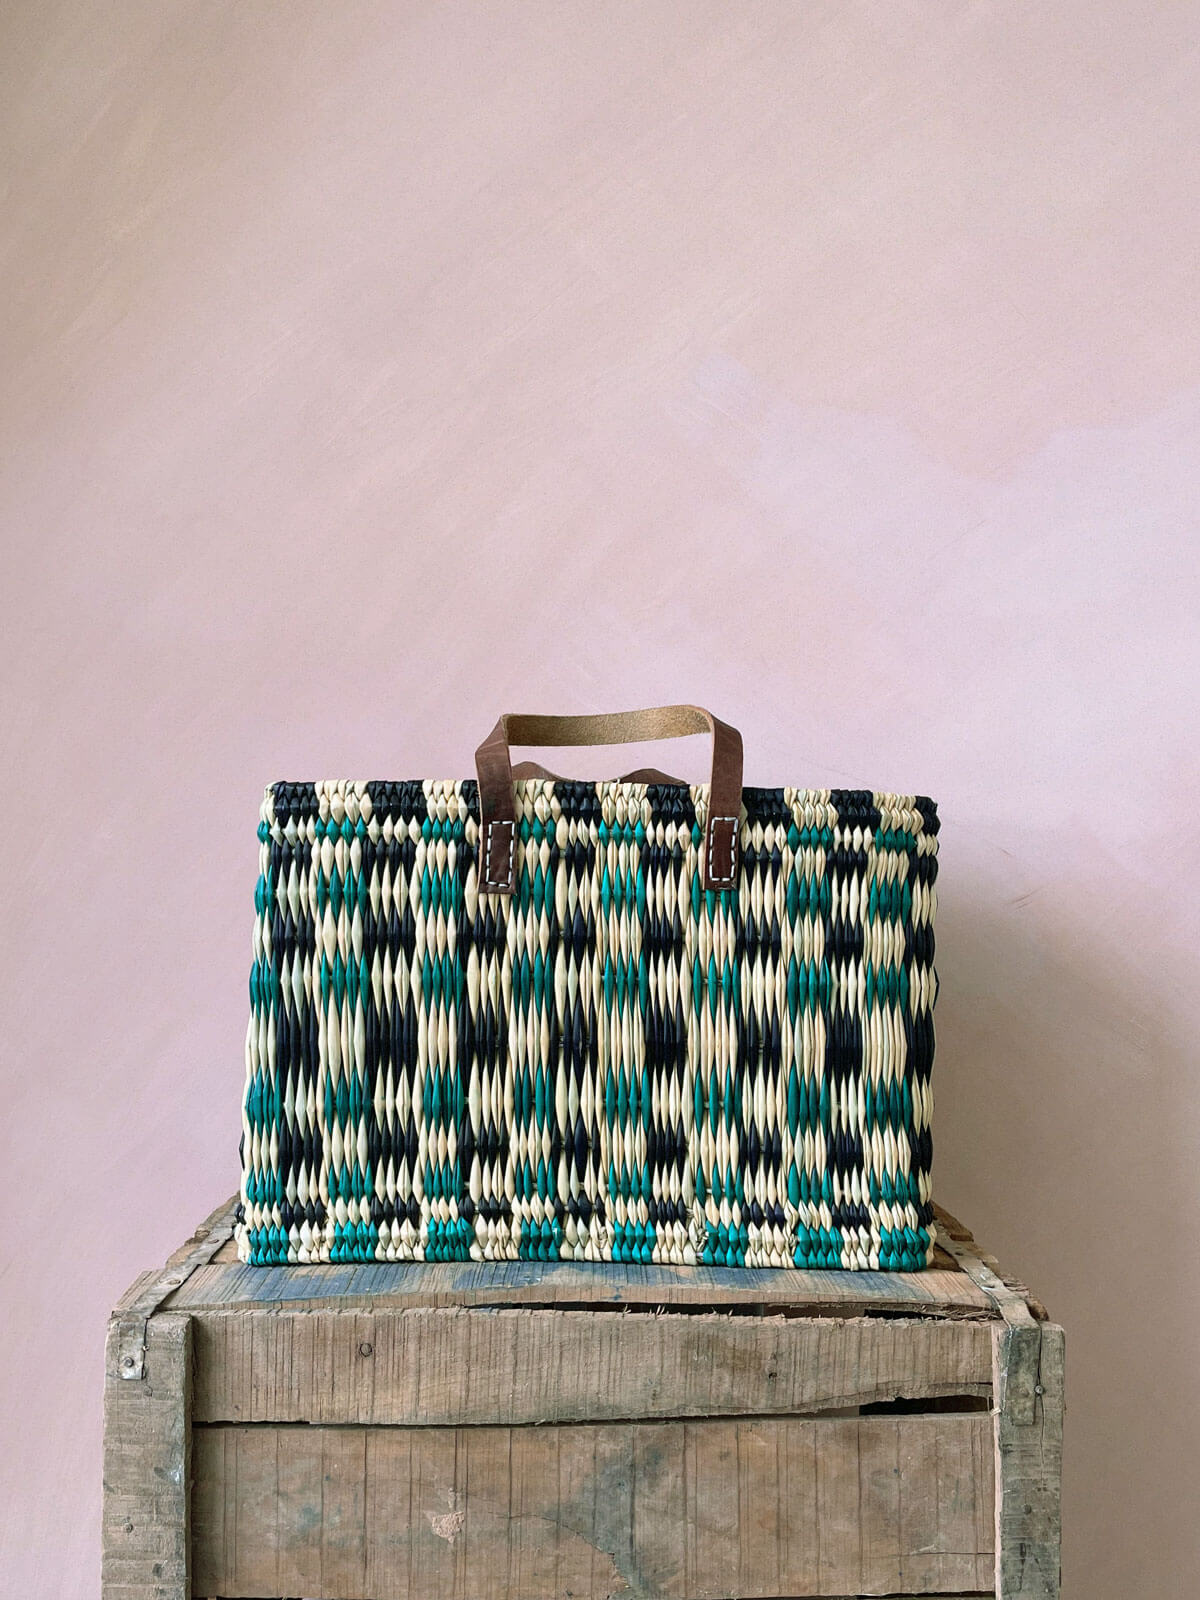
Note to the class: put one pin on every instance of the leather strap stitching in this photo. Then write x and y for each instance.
(723, 879)
(489, 881)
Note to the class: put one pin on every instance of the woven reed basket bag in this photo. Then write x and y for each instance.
(526, 1017)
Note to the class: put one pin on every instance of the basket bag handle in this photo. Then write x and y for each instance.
(497, 805)
(535, 769)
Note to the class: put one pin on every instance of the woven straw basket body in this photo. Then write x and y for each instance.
(605, 1055)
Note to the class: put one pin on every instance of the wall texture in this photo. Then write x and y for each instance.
(368, 369)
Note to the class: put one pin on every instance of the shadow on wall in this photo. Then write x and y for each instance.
(1061, 1093)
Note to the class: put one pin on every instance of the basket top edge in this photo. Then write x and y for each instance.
(841, 799)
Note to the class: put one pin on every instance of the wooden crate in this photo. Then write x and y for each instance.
(538, 1431)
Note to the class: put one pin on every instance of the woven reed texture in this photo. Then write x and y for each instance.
(610, 1065)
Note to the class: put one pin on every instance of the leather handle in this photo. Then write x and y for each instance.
(535, 769)
(497, 806)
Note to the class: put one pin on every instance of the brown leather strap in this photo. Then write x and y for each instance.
(535, 769)
(651, 775)
(497, 809)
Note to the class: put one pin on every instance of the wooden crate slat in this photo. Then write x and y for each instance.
(126, 1346)
(452, 1367)
(1028, 1462)
(401, 1285)
(146, 1531)
(518, 1514)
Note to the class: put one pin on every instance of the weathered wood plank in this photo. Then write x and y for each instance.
(145, 1531)
(1028, 1461)
(839, 1506)
(405, 1285)
(1011, 1302)
(450, 1367)
(882, 1509)
(127, 1341)
(530, 1514)
(1010, 1299)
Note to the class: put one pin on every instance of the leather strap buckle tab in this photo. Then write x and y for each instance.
(720, 857)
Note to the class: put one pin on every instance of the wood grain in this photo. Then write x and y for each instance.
(146, 1534)
(126, 1346)
(403, 1285)
(687, 1510)
(451, 1367)
(1028, 1464)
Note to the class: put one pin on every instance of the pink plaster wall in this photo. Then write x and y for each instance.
(368, 369)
